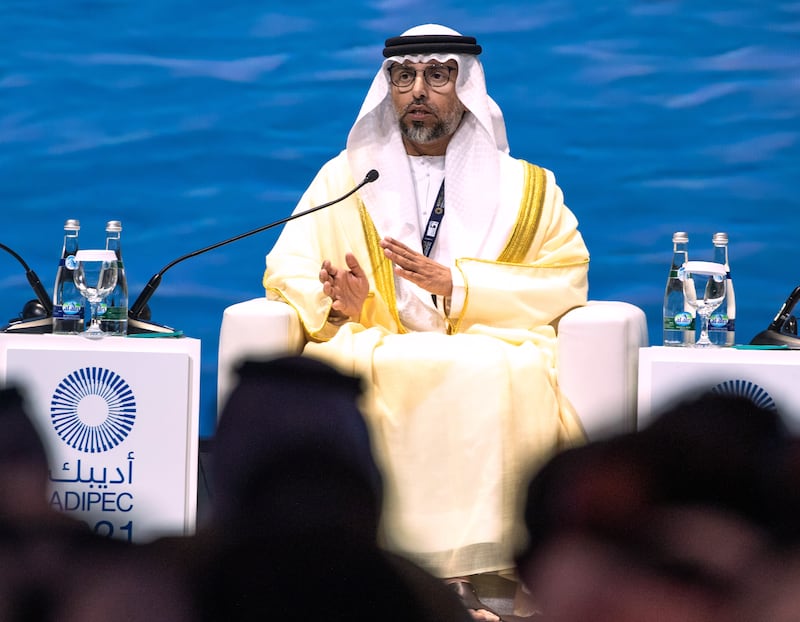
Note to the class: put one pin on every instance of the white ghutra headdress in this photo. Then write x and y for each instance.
(472, 169)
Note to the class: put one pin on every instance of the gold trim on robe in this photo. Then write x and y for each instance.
(382, 267)
(530, 211)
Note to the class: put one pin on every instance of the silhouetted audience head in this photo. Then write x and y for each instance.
(42, 551)
(292, 452)
(20, 440)
(23, 461)
(296, 507)
(664, 523)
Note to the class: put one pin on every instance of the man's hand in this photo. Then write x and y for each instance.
(415, 267)
(347, 288)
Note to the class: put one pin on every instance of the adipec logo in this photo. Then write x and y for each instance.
(744, 388)
(93, 409)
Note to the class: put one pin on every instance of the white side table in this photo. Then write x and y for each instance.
(119, 418)
(771, 378)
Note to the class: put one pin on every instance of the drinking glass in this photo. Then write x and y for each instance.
(95, 276)
(704, 289)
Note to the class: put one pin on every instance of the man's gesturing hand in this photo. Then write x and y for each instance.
(431, 276)
(347, 288)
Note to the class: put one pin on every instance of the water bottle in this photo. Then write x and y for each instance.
(722, 323)
(115, 319)
(68, 306)
(678, 318)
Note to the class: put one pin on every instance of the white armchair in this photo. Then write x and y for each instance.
(598, 355)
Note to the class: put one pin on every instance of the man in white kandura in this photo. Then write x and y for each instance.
(439, 283)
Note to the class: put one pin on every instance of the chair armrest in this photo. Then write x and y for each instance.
(598, 355)
(598, 364)
(256, 328)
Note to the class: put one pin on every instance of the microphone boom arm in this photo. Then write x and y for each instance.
(136, 309)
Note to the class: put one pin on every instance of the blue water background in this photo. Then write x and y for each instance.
(195, 121)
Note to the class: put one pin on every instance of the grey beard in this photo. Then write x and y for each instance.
(418, 133)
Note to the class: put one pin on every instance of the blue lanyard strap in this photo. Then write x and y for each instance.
(434, 220)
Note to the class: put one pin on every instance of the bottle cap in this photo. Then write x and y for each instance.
(680, 236)
(114, 225)
(72, 225)
(720, 238)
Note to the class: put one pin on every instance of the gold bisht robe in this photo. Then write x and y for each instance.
(459, 420)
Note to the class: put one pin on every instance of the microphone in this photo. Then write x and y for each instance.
(783, 329)
(135, 311)
(37, 311)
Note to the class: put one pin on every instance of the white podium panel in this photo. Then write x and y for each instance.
(119, 418)
(771, 378)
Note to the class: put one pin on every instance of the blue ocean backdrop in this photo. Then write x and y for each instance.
(192, 122)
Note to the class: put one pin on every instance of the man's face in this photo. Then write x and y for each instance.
(426, 114)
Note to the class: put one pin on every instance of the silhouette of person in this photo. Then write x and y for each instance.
(53, 567)
(665, 523)
(296, 502)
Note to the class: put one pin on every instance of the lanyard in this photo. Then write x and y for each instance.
(434, 220)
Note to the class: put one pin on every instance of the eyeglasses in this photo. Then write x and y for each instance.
(436, 76)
